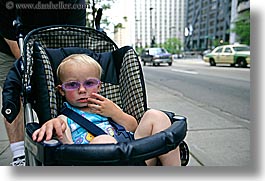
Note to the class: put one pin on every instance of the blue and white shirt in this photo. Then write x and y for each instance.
(80, 134)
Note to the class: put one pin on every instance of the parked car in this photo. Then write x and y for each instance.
(205, 52)
(156, 56)
(229, 54)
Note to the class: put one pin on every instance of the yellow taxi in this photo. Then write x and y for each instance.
(237, 54)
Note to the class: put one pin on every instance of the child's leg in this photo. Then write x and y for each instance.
(151, 123)
(101, 139)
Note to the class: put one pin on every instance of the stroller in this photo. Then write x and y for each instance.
(122, 82)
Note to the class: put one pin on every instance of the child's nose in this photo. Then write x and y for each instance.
(82, 88)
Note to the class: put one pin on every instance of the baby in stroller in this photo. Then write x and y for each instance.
(122, 82)
(79, 82)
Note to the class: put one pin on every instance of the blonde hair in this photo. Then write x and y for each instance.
(79, 59)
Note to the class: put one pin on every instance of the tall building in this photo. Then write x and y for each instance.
(207, 21)
(198, 24)
(211, 21)
(157, 20)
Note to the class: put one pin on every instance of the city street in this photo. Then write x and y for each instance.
(216, 101)
(224, 88)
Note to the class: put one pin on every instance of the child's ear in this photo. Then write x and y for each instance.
(60, 89)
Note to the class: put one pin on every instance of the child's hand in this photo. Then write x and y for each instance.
(103, 106)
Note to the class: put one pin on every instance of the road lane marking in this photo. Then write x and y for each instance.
(185, 71)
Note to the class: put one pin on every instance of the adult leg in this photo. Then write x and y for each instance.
(152, 122)
(15, 133)
(14, 130)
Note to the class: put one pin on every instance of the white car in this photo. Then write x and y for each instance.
(229, 54)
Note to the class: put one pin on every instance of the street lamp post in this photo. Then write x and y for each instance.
(151, 28)
(138, 32)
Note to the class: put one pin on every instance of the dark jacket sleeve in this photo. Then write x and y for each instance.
(11, 92)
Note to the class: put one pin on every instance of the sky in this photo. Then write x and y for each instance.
(115, 15)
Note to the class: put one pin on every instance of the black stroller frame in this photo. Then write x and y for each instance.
(43, 50)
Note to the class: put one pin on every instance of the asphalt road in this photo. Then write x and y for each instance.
(222, 88)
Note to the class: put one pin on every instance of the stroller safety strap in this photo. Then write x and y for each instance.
(121, 135)
(90, 127)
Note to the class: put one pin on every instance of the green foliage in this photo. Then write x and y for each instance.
(139, 50)
(91, 13)
(218, 43)
(242, 28)
(106, 6)
(173, 45)
(120, 25)
(125, 18)
(117, 26)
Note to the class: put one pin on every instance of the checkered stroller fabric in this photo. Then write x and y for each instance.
(129, 93)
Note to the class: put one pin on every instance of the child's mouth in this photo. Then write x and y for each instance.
(83, 100)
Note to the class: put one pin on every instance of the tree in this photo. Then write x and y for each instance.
(242, 28)
(117, 27)
(91, 13)
(173, 45)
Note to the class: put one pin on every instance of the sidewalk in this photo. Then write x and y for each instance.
(213, 140)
